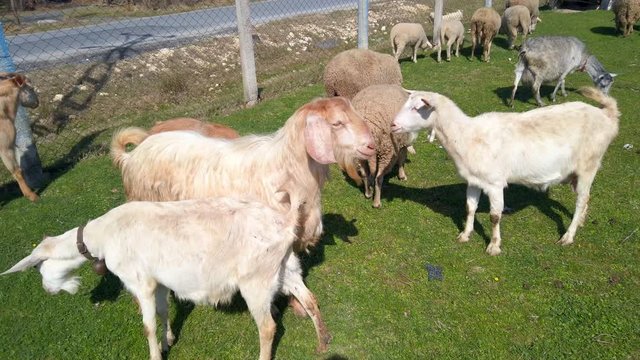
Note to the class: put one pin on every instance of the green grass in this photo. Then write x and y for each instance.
(538, 300)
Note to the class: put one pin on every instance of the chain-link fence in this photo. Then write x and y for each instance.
(101, 64)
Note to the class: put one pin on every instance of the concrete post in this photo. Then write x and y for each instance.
(247, 56)
(437, 22)
(363, 24)
(26, 151)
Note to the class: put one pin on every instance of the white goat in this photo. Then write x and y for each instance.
(222, 246)
(180, 165)
(537, 148)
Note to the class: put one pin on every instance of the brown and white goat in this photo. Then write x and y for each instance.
(204, 128)
(15, 90)
(221, 246)
(180, 165)
(537, 148)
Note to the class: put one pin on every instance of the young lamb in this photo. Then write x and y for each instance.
(627, 13)
(204, 128)
(181, 165)
(222, 246)
(451, 32)
(538, 148)
(485, 24)
(516, 20)
(408, 34)
(532, 6)
(551, 58)
(456, 15)
(378, 104)
(353, 70)
(15, 90)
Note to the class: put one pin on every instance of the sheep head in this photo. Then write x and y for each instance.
(334, 129)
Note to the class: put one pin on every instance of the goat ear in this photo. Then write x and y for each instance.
(19, 80)
(613, 75)
(425, 101)
(409, 91)
(317, 138)
(24, 264)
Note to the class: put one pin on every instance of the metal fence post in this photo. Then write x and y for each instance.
(363, 24)
(247, 56)
(487, 3)
(26, 151)
(437, 22)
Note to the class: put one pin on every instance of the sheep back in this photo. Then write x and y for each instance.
(627, 13)
(411, 33)
(353, 70)
(531, 5)
(485, 22)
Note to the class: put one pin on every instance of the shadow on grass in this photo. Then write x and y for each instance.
(605, 30)
(525, 94)
(450, 201)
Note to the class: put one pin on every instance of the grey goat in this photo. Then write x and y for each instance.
(552, 58)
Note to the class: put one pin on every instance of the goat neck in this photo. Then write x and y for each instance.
(448, 124)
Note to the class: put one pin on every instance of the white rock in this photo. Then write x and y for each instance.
(383, 28)
(627, 146)
(58, 97)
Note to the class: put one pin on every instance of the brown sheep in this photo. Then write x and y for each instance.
(485, 24)
(627, 14)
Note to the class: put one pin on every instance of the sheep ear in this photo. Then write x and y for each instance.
(24, 264)
(317, 136)
(19, 80)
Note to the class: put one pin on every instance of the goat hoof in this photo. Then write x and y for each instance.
(376, 206)
(493, 250)
(402, 178)
(565, 240)
(462, 237)
(33, 197)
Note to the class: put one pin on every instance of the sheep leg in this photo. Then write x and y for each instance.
(473, 196)
(487, 49)
(8, 156)
(378, 190)
(496, 199)
(519, 71)
(415, 53)
(366, 177)
(162, 309)
(458, 43)
(438, 50)
(400, 48)
(402, 158)
(259, 297)
(564, 92)
(292, 284)
(147, 301)
(583, 187)
(449, 44)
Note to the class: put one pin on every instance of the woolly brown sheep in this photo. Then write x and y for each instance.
(353, 70)
(516, 19)
(627, 14)
(485, 23)
(531, 5)
(378, 105)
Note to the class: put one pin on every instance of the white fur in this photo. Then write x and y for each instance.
(203, 250)
(537, 148)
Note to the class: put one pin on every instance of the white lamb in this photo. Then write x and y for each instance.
(537, 148)
(451, 32)
(456, 15)
(408, 34)
(203, 250)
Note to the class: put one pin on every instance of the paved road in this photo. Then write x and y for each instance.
(125, 38)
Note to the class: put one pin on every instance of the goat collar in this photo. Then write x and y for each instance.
(583, 66)
(99, 265)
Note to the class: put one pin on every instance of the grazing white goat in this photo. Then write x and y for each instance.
(537, 148)
(181, 165)
(203, 250)
(14, 90)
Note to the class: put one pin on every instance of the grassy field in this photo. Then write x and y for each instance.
(538, 300)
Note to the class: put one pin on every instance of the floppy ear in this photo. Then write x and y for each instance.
(425, 101)
(317, 138)
(409, 91)
(19, 80)
(24, 264)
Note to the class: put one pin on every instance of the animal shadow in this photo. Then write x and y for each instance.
(605, 30)
(450, 201)
(525, 94)
(335, 226)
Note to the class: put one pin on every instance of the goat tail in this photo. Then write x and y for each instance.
(607, 103)
(120, 140)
